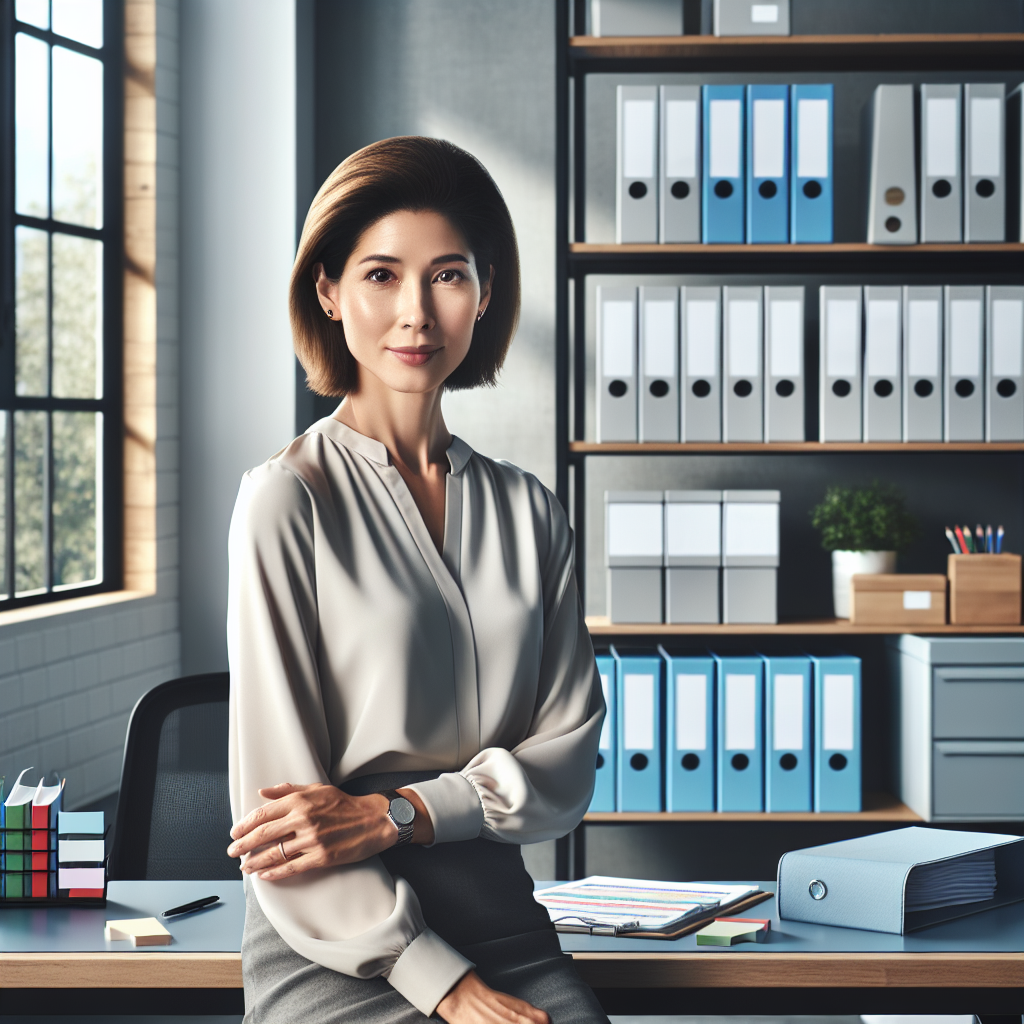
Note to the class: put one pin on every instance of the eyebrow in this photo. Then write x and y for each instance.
(452, 257)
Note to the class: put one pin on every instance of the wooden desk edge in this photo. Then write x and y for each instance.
(120, 970)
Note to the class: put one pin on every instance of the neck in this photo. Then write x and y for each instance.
(410, 426)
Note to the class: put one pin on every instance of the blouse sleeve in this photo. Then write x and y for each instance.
(541, 788)
(354, 919)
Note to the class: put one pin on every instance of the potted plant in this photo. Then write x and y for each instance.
(864, 528)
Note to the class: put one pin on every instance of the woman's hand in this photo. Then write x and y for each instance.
(319, 826)
(473, 1002)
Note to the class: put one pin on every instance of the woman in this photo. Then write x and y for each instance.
(414, 692)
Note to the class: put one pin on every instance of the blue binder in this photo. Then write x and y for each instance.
(740, 729)
(837, 743)
(723, 166)
(689, 732)
(638, 738)
(767, 163)
(787, 734)
(810, 165)
(604, 780)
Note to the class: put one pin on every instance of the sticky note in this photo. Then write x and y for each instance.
(727, 931)
(143, 931)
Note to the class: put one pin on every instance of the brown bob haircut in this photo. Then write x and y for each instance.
(405, 173)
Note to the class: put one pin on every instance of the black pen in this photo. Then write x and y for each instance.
(206, 901)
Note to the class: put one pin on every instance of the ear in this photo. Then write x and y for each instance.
(486, 288)
(326, 290)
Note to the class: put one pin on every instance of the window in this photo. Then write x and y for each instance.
(62, 261)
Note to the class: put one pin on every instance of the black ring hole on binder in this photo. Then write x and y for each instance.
(680, 190)
(923, 388)
(837, 762)
(638, 762)
(1006, 389)
(659, 388)
(841, 388)
(638, 190)
(767, 189)
(787, 762)
(690, 762)
(743, 388)
(941, 188)
(600, 761)
(740, 762)
(812, 189)
(701, 388)
(883, 388)
(785, 388)
(893, 224)
(964, 388)
(985, 188)
(723, 189)
(617, 388)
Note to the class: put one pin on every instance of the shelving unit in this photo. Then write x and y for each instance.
(576, 258)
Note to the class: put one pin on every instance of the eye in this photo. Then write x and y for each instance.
(450, 276)
(380, 276)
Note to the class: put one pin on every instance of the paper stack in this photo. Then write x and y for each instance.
(727, 931)
(950, 883)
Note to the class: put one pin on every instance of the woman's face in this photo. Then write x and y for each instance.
(408, 299)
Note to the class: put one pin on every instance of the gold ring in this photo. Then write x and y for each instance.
(280, 846)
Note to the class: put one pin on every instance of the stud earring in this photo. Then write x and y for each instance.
(480, 315)
(330, 314)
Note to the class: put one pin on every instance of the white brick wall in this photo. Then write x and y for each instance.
(68, 681)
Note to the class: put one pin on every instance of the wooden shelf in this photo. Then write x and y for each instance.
(877, 807)
(600, 625)
(790, 447)
(668, 248)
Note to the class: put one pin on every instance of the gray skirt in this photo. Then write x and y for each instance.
(477, 895)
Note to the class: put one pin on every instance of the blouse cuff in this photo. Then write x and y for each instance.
(427, 971)
(454, 807)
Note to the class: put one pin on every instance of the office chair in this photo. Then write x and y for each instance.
(173, 814)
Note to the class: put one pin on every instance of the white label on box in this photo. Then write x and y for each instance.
(701, 338)
(942, 151)
(634, 528)
(837, 713)
(724, 159)
(681, 138)
(751, 528)
(1007, 337)
(659, 338)
(691, 712)
(638, 138)
(740, 712)
(788, 712)
(812, 139)
(605, 743)
(917, 600)
(693, 528)
(986, 129)
(638, 712)
(923, 338)
(617, 320)
(842, 333)
(883, 338)
(744, 338)
(787, 337)
(764, 14)
(769, 138)
(965, 337)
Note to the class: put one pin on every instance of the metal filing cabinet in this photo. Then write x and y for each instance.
(959, 705)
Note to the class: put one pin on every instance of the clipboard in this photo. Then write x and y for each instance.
(692, 924)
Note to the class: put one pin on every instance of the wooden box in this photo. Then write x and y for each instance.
(897, 599)
(984, 590)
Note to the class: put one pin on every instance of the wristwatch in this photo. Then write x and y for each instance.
(402, 815)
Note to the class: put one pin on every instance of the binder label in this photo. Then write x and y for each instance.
(725, 139)
(917, 600)
(701, 337)
(638, 712)
(883, 332)
(1007, 332)
(764, 14)
(812, 139)
(986, 151)
(923, 338)
(788, 712)
(843, 333)
(617, 339)
(691, 712)
(769, 138)
(941, 153)
(740, 708)
(786, 338)
(605, 743)
(965, 337)
(743, 338)
(659, 339)
(681, 138)
(638, 138)
(837, 713)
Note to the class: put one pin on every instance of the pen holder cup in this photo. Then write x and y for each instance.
(984, 590)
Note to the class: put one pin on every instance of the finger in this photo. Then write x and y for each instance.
(270, 856)
(281, 789)
(296, 865)
(522, 1009)
(261, 815)
(271, 832)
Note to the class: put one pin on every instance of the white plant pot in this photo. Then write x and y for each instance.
(847, 563)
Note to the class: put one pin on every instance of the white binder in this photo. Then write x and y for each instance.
(922, 363)
(1004, 398)
(839, 417)
(984, 153)
(659, 371)
(701, 373)
(783, 363)
(679, 185)
(636, 190)
(742, 363)
(892, 182)
(883, 357)
(616, 364)
(941, 177)
(964, 358)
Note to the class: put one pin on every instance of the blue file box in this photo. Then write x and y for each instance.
(689, 732)
(810, 165)
(739, 754)
(604, 780)
(723, 164)
(767, 163)
(837, 743)
(638, 739)
(787, 734)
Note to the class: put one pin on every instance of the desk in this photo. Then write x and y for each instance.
(974, 965)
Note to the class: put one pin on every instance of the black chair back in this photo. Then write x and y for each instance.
(173, 814)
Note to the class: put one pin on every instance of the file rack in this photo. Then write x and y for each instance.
(578, 56)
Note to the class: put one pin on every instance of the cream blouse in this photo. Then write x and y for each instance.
(356, 648)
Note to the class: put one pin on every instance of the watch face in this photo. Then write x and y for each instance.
(402, 811)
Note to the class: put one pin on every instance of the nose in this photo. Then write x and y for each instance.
(416, 311)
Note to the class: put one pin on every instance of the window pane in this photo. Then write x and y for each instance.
(3, 505)
(33, 12)
(77, 316)
(77, 138)
(75, 472)
(31, 251)
(31, 125)
(81, 20)
(29, 467)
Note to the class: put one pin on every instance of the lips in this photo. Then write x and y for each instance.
(414, 356)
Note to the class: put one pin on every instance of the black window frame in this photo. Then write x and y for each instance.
(110, 486)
